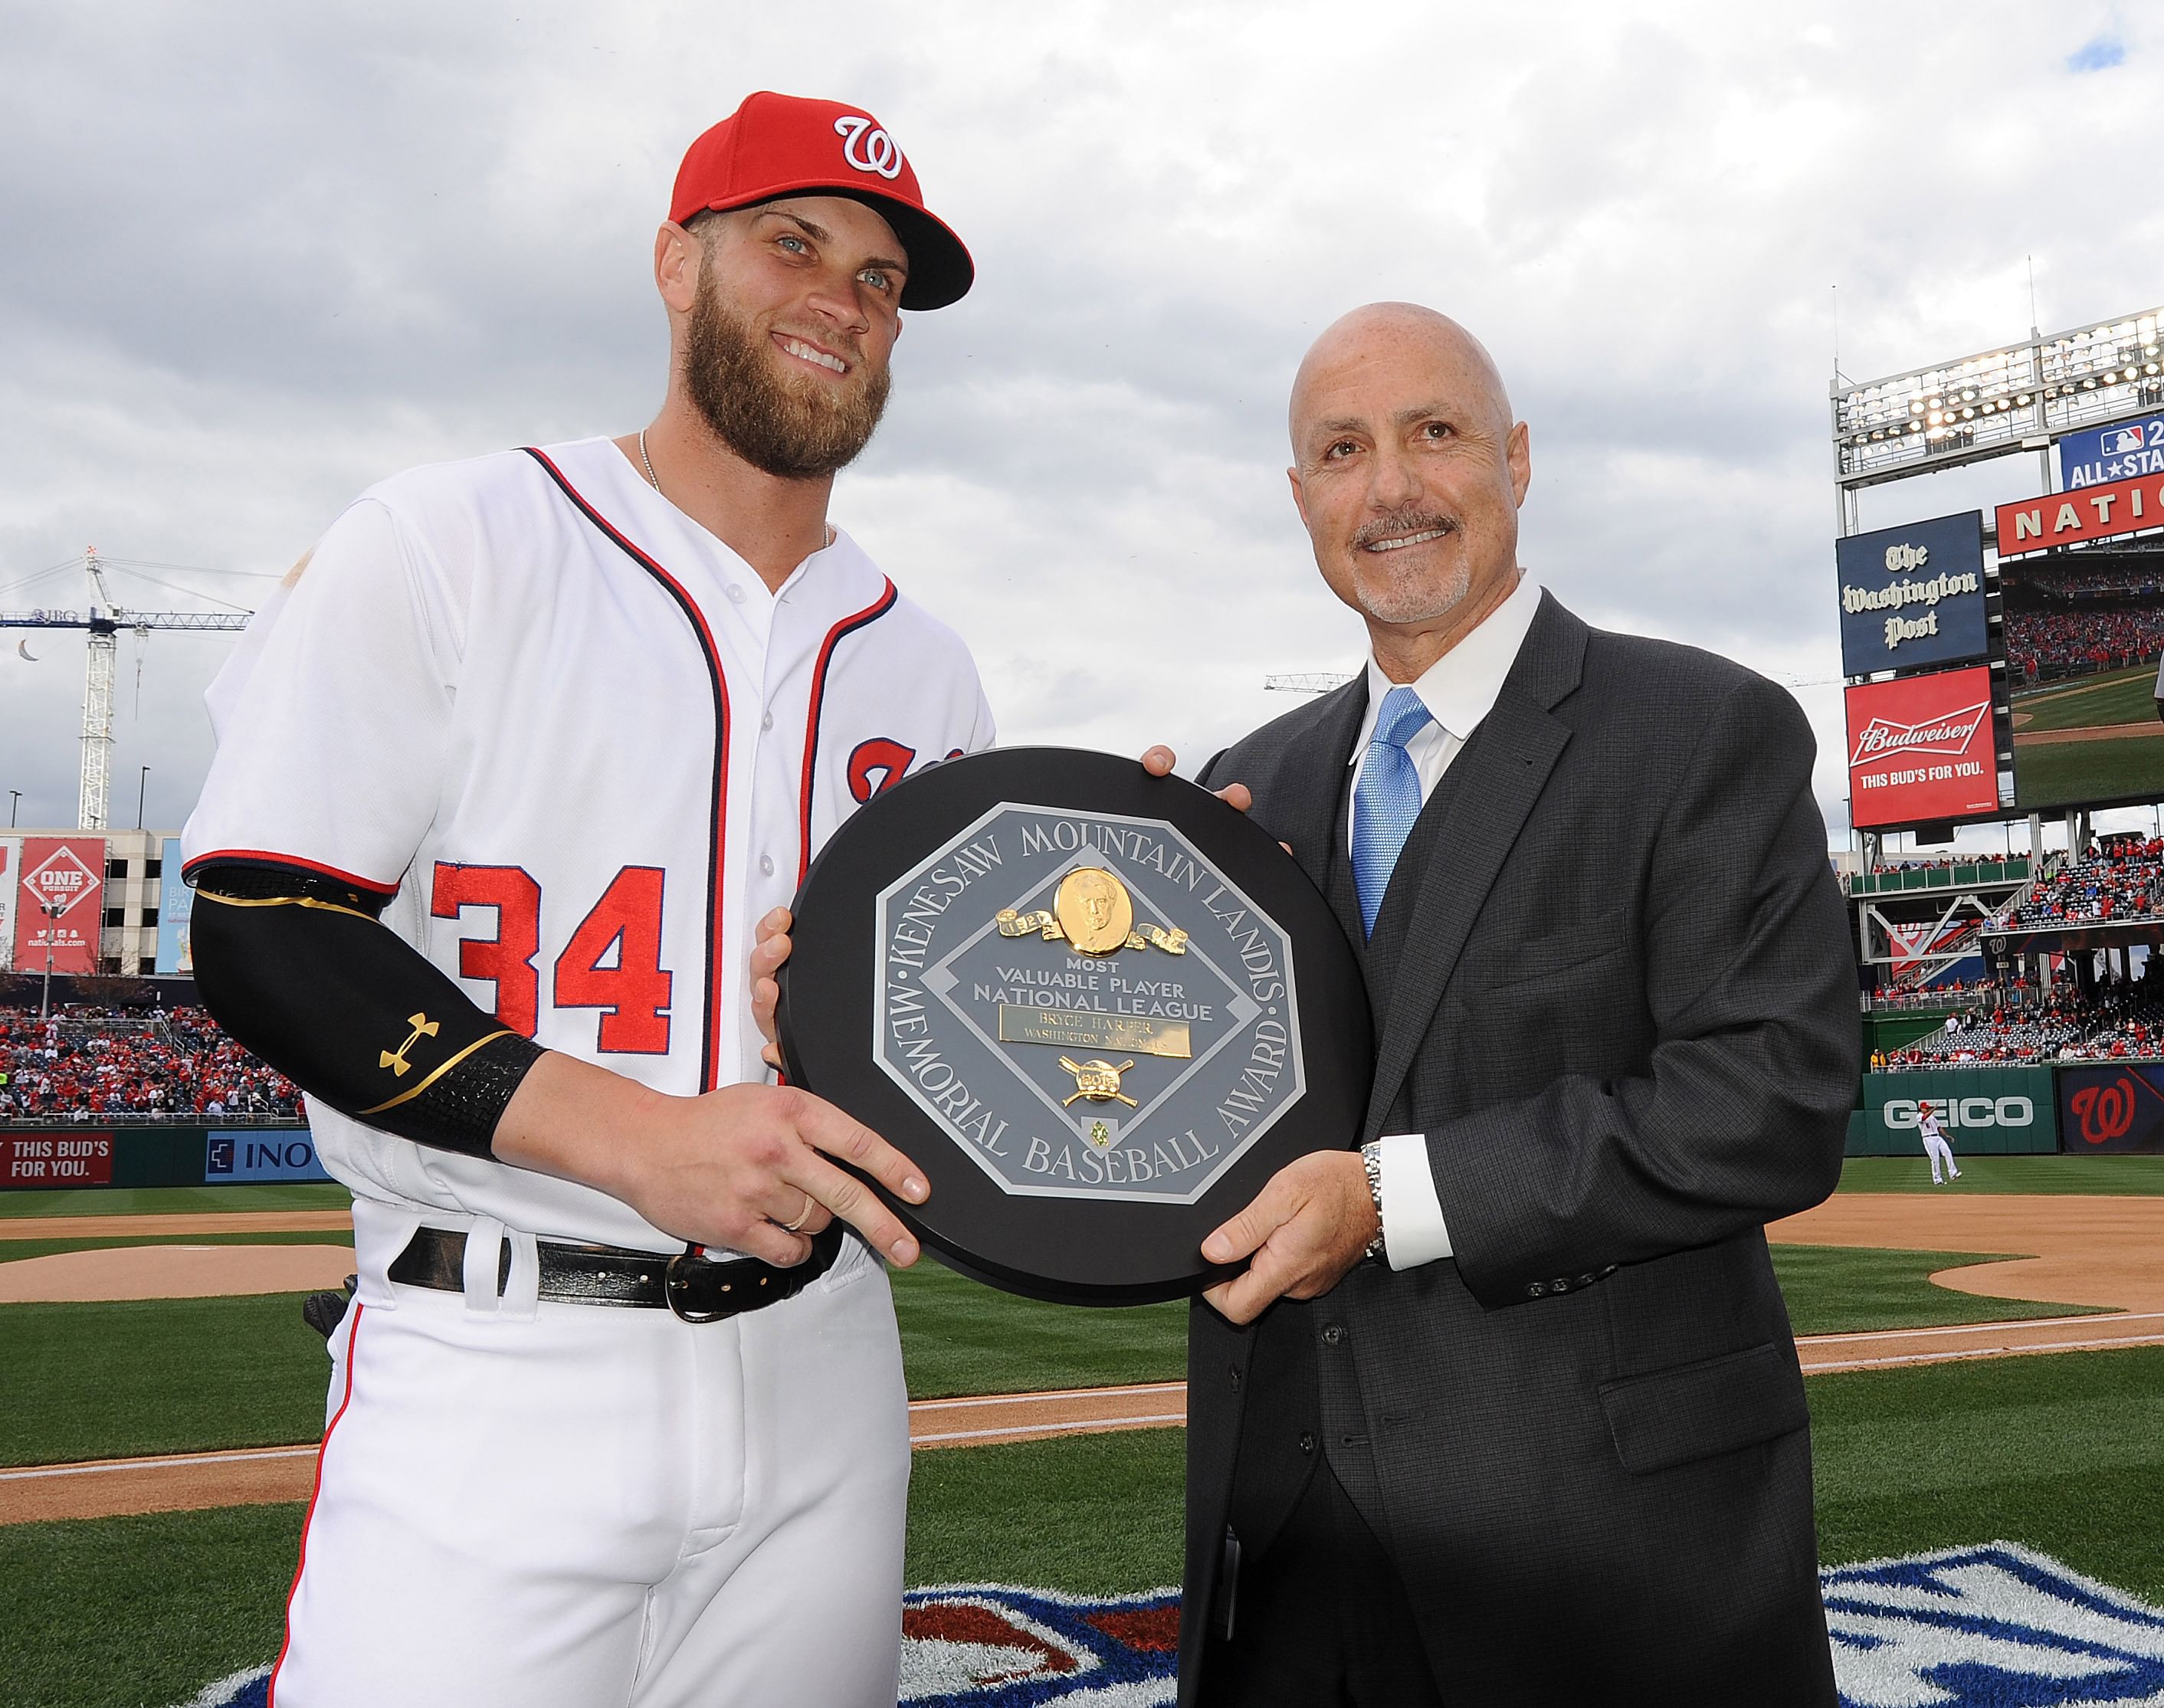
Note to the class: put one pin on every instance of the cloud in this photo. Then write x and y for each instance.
(2100, 54)
(293, 249)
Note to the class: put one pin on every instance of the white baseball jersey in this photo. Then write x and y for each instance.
(584, 749)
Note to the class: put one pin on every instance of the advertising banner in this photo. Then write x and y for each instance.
(2100, 454)
(1919, 748)
(260, 1155)
(176, 904)
(61, 902)
(2112, 1109)
(11, 872)
(1912, 595)
(1990, 1111)
(2068, 518)
(56, 1159)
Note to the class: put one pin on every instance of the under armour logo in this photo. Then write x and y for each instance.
(880, 154)
(395, 1059)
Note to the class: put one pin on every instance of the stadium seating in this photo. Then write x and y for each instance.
(91, 1064)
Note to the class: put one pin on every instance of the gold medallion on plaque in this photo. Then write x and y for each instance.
(1093, 910)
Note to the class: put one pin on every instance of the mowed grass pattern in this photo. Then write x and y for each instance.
(1842, 1289)
(2079, 1176)
(2064, 1453)
(2070, 773)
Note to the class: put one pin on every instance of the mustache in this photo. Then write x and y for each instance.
(1402, 522)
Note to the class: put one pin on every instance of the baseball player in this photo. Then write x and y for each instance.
(1935, 1144)
(506, 774)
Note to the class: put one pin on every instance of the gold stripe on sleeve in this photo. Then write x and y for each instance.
(408, 1097)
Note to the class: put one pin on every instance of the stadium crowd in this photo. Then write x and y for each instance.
(87, 1063)
(2046, 644)
(2122, 877)
(2115, 1021)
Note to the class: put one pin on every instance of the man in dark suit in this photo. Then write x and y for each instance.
(1506, 1409)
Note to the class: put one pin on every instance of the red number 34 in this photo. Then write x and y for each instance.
(612, 962)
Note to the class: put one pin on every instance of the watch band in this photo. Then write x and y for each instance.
(1371, 1160)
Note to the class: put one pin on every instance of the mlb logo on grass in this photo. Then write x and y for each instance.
(1992, 1626)
(261, 1156)
(1988, 1626)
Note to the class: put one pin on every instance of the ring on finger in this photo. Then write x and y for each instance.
(803, 1216)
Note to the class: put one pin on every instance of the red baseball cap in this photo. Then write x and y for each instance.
(786, 145)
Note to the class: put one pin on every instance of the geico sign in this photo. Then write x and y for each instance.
(1967, 1111)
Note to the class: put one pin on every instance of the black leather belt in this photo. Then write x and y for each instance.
(692, 1285)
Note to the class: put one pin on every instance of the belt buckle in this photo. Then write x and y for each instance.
(693, 1291)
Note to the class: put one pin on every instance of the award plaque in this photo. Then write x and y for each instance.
(1098, 1009)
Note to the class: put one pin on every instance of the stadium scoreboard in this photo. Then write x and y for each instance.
(1980, 686)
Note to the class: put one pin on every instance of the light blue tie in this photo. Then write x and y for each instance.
(1387, 799)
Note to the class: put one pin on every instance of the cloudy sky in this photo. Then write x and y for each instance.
(258, 256)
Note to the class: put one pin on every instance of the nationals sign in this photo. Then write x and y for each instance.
(59, 903)
(2068, 518)
(1919, 748)
(2110, 1107)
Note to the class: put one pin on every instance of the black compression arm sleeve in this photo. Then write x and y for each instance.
(297, 966)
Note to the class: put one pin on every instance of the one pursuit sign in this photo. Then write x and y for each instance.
(1912, 595)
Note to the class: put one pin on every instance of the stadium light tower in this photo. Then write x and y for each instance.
(105, 620)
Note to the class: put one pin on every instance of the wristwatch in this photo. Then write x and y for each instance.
(1371, 1159)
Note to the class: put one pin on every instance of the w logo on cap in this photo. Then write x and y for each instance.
(881, 153)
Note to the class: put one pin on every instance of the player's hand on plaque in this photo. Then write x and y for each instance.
(746, 1168)
(1305, 1229)
(769, 949)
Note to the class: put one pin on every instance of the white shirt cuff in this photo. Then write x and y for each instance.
(1413, 1229)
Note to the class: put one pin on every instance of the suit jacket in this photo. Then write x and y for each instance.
(1613, 988)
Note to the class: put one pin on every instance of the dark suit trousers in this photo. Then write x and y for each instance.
(1321, 1620)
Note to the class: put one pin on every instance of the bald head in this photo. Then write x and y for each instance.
(1408, 471)
(1401, 334)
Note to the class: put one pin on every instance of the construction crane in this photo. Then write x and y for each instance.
(1306, 682)
(104, 621)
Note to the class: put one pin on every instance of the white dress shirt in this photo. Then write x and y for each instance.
(1460, 690)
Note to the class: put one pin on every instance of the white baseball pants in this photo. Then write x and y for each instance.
(562, 1505)
(1940, 1152)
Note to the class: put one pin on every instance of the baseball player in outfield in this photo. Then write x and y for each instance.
(1935, 1144)
(507, 774)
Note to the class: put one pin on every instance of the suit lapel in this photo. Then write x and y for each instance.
(1300, 804)
(1504, 768)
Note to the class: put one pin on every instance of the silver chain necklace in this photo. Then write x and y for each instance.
(647, 461)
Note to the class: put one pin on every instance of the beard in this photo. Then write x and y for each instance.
(1391, 594)
(794, 431)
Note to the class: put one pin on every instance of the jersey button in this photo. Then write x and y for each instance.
(736, 594)
(767, 721)
(766, 864)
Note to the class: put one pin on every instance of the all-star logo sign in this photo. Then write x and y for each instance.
(61, 883)
(1133, 1052)
(1921, 748)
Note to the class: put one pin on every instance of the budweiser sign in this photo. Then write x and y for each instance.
(1920, 748)
(1950, 734)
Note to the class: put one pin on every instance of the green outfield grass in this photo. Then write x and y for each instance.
(112, 1379)
(2064, 1453)
(2098, 1176)
(1842, 1289)
(171, 1201)
(2116, 697)
(2069, 773)
(106, 1379)
(959, 1336)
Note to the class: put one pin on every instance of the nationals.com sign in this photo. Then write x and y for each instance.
(1921, 748)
